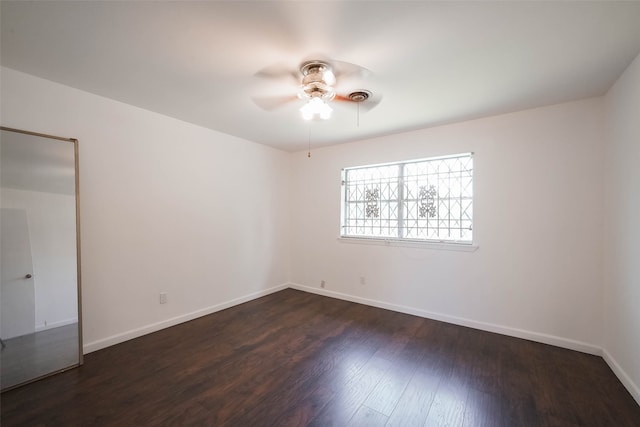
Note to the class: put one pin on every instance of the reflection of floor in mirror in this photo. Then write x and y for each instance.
(34, 355)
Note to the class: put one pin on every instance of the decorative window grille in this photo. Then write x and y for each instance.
(428, 199)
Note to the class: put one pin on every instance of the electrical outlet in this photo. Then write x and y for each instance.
(322, 284)
(163, 297)
(363, 280)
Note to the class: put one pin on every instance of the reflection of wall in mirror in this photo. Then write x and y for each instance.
(51, 220)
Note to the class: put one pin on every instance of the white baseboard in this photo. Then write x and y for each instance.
(51, 325)
(154, 327)
(633, 388)
(490, 327)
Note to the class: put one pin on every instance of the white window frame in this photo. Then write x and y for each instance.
(399, 238)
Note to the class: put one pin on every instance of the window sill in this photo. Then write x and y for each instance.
(444, 246)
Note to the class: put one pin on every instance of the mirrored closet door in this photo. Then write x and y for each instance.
(40, 316)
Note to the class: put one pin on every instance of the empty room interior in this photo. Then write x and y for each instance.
(324, 213)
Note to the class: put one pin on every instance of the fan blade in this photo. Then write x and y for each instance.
(346, 70)
(280, 71)
(271, 103)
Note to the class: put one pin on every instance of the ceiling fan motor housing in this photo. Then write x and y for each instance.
(317, 81)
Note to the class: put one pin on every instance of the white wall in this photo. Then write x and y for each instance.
(165, 206)
(537, 272)
(52, 231)
(622, 229)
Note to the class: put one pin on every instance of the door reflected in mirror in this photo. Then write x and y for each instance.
(40, 326)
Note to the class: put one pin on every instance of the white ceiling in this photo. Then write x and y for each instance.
(433, 62)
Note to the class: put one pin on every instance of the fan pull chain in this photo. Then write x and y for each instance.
(309, 150)
(358, 114)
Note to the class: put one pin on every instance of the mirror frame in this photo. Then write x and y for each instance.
(79, 275)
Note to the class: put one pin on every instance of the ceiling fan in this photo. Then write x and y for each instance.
(319, 83)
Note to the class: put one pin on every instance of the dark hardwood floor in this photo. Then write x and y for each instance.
(297, 359)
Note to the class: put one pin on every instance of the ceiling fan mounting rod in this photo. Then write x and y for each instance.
(313, 67)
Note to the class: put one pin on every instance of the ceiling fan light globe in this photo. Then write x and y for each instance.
(316, 107)
(306, 115)
(325, 113)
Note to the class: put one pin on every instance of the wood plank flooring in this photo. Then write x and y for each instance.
(298, 359)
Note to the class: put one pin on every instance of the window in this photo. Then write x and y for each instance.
(417, 200)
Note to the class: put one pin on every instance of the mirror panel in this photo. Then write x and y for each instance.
(40, 316)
